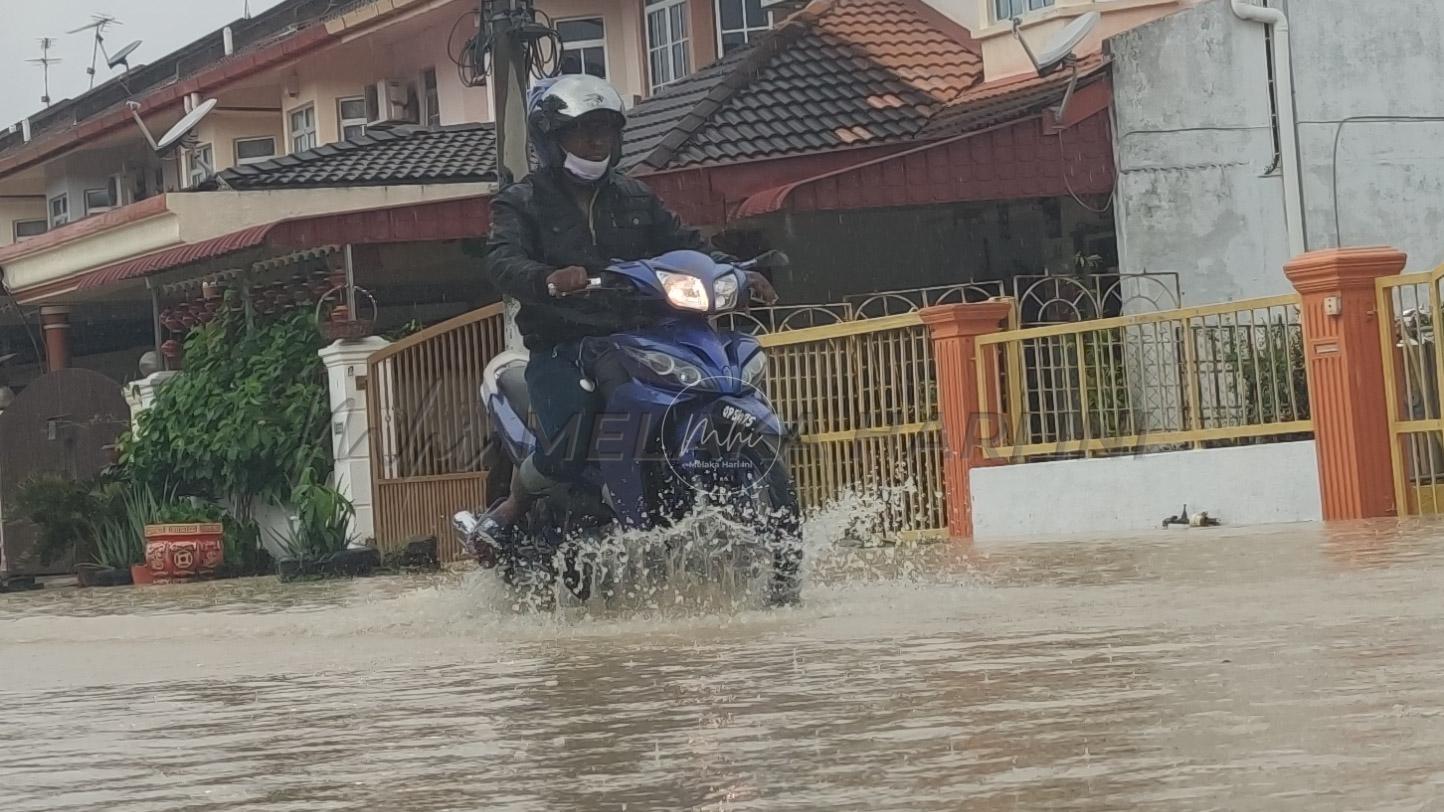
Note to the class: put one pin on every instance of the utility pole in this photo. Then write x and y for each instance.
(507, 40)
(509, 24)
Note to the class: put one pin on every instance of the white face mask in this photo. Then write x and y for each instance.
(584, 170)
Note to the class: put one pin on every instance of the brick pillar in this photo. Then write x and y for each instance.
(954, 330)
(1346, 377)
(55, 323)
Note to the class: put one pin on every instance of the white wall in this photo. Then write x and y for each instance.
(1262, 484)
(13, 209)
(1195, 145)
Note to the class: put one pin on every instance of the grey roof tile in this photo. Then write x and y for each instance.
(457, 154)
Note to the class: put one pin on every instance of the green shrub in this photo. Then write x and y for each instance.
(321, 525)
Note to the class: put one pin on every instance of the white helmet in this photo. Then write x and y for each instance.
(555, 104)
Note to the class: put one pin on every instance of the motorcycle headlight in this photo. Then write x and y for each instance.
(726, 290)
(755, 370)
(667, 369)
(684, 291)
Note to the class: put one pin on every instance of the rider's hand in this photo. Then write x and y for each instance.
(568, 280)
(762, 290)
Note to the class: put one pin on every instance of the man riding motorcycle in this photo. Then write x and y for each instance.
(550, 232)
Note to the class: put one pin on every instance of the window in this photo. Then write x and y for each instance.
(202, 162)
(431, 97)
(59, 210)
(1008, 9)
(584, 46)
(668, 45)
(254, 150)
(303, 129)
(98, 201)
(739, 22)
(25, 229)
(352, 117)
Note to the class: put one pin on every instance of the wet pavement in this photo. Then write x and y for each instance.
(1283, 668)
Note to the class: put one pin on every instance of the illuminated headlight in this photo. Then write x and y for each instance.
(667, 368)
(726, 290)
(755, 370)
(684, 291)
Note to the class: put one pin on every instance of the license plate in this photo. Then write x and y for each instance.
(739, 417)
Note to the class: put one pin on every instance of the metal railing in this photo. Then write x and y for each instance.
(1181, 378)
(863, 398)
(1409, 310)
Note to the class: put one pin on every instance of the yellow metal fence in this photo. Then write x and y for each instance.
(1409, 307)
(1180, 378)
(863, 397)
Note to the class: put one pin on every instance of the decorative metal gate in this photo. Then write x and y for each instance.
(1409, 312)
(64, 423)
(428, 428)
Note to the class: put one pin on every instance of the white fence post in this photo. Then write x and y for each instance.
(350, 432)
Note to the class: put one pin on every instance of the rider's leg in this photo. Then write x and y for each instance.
(566, 414)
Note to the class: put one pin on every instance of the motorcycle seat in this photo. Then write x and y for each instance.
(512, 384)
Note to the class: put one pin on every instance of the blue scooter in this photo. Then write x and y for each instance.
(684, 424)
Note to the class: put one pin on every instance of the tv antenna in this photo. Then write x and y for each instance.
(1060, 53)
(99, 22)
(45, 61)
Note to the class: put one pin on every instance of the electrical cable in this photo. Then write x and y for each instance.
(540, 43)
(1063, 168)
(1338, 138)
(24, 322)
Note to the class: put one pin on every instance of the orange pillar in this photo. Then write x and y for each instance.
(954, 330)
(55, 322)
(1346, 377)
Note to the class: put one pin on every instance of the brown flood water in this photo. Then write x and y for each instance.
(1289, 668)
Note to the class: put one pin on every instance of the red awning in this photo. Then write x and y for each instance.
(446, 220)
(1020, 159)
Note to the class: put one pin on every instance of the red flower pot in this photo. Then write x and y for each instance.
(178, 553)
(140, 575)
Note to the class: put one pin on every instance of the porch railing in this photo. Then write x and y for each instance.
(1192, 377)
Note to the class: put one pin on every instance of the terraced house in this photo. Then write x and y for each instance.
(903, 152)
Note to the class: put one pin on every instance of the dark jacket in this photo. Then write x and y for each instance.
(537, 227)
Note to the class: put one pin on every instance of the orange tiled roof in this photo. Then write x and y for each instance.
(838, 73)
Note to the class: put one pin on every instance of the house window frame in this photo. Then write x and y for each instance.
(15, 228)
(589, 43)
(60, 218)
(294, 134)
(195, 170)
(430, 98)
(343, 123)
(748, 32)
(666, 8)
(252, 139)
(1024, 8)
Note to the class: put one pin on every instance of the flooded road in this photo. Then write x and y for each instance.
(1291, 668)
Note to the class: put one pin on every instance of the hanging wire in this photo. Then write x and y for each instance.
(536, 34)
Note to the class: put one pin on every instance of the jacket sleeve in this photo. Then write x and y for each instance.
(513, 250)
(669, 233)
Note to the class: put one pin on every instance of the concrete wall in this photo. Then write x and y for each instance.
(1198, 192)
(12, 209)
(1263, 484)
(224, 127)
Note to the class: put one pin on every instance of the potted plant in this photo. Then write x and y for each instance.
(319, 543)
(185, 542)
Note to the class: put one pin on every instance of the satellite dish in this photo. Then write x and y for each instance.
(1059, 53)
(122, 57)
(1060, 48)
(185, 125)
